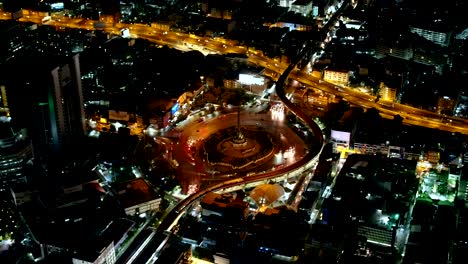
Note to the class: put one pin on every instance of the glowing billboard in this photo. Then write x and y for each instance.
(57, 6)
(174, 108)
(250, 79)
(340, 136)
(125, 33)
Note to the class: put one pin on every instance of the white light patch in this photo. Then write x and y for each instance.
(251, 80)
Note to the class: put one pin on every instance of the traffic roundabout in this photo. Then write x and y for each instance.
(210, 150)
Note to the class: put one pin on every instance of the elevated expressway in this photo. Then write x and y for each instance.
(183, 41)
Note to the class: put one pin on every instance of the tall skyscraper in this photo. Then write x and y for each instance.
(45, 97)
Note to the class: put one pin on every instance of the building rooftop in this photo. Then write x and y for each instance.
(439, 26)
(135, 192)
(266, 194)
(302, 2)
(229, 207)
(462, 35)
(174, 253)
(376, 190)
(217, 200)
(113, 232)
(337, 69)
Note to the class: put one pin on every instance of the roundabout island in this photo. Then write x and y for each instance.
(238, 149)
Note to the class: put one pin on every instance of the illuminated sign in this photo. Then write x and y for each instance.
(125, 33)
(340, 136)
(174, 108)
(251, 80)
(56, 6)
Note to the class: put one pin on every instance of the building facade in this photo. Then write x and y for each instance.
(438, 37)
(446, 105)
(336, 76)
(45, 97)
(387, 93)
(303, 7)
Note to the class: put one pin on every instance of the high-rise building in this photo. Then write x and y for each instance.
(45, 97)
(337, 76)
(438, 36)
(387, 93)
(446, 105)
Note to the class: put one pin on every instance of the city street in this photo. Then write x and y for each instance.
(206, 45)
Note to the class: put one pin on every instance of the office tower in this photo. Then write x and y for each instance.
(45, 97)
